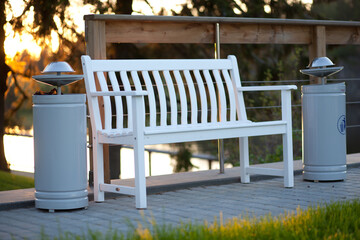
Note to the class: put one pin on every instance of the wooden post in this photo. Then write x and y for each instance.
(96, 49)
(317, 47)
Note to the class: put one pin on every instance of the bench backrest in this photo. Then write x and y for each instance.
(180, 92)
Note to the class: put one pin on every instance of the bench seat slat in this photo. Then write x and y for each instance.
(191, 128)
(191, 133)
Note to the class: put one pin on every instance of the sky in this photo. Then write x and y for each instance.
(17, 43)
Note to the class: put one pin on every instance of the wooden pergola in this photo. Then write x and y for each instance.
(317, 34)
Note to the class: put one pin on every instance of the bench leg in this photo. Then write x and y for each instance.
(288, 160)
(140, 180)
(98, 159)
(244, 159)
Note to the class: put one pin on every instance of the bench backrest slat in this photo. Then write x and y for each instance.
(203, 100)
(222, 97)
(172, 96)
(212, 95)
(183, 98)
(180, 92)
(230, 88)
(127, 87)
(192, 97)
(118, 101)
(107, 103)
(152, 103)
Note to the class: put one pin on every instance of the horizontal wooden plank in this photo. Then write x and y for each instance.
(263, 34)
(233, 33)
(342, 35)
(159, 32)
(190, 19)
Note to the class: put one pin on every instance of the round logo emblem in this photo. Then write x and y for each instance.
(341, 124)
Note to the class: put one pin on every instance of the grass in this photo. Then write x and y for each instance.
(338, 220)
(10, 181)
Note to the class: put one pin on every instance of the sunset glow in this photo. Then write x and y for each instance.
(16, 43)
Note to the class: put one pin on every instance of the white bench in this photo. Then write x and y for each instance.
(170, 101)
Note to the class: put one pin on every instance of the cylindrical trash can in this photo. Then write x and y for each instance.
(60, 151)
(324, 132)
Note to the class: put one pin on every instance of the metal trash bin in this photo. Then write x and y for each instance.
(324, 132)
(60, 151)
(60, 143)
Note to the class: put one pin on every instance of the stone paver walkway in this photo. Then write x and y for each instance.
(193, 204)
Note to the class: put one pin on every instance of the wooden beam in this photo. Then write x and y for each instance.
(95, 39)
(159, 32)
(96, 49)
(343, 35)
(264, 34)
(317, 48)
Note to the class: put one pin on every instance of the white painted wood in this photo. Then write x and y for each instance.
(162, 98)
(116, 93)
(231, 94)
(203, 99)
(160, 65)
(117, 189)
(107, 103)
(172, 95)
(138, 124)
(183, 99)
(213, 97)
(287, 139)
(239, 97)
(127, 87)
(193, 96)
(152, 103)
(118, 101)
(244, 159)
(209, 76)
(99, 196)
(222, 97)
(267, 88)
(265, 171)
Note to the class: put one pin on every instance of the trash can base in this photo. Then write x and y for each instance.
(61, 201)
(324, 176)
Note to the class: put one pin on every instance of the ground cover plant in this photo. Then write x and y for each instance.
(337, 220)
(10, 181)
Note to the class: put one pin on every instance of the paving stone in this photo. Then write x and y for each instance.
(197, 205)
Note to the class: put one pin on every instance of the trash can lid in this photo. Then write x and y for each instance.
(324, 88)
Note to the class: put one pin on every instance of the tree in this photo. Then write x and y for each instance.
(44, 12)
(4, 69)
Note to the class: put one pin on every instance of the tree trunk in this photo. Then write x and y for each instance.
(4, 69)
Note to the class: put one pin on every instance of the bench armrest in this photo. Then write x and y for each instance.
(118, 93)
(267, 88)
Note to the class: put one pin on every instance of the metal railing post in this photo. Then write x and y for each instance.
(220, 141)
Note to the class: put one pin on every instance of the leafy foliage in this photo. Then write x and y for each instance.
(337, 220)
